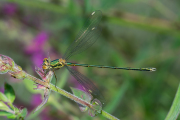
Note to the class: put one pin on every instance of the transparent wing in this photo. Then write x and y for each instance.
(86, 84)
(86, 37)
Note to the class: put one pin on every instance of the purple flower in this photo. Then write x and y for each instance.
(9, 8)
(2, 89)
(38, 43)
(35, 49)
(38, 58)
(36, 100)
(45, 114)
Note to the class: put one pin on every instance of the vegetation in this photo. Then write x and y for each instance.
(135, 33)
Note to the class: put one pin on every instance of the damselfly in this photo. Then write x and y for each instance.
(85, 38)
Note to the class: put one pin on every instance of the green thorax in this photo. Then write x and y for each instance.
(55, 64)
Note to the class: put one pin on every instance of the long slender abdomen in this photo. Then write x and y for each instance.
(111, 67)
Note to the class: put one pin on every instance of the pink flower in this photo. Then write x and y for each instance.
(46, 78)
(36, 100)
(37, 58)
(2, 89)
(38, 43)
(35, 49)
(45, 114)
(9, 9)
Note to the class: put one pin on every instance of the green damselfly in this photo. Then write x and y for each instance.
(85, 38)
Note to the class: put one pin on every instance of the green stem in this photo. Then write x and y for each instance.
(154, 25)
(65, 93)
(39, 4)
(16, 71)
(159, 6)
(109, 116)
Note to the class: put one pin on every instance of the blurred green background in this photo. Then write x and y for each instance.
(135, 33)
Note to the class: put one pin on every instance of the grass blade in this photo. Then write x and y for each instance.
(175, 107)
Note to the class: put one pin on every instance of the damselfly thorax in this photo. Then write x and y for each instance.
(55, 64)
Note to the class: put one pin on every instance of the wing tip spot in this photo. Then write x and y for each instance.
(93, 28)
(93, 13)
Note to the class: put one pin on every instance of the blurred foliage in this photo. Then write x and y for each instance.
(135, 33)
(6, 105)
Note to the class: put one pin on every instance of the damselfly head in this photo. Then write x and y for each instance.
(45, 67)
(45, 60)
(46, 63)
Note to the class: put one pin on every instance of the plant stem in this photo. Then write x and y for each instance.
(67, 94)
(7, 65)
(109, 116)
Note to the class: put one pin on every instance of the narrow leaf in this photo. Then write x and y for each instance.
(3, 106)
(175, 108)
(4, 113)
(9, 92)
(3, 97)
(12, 116)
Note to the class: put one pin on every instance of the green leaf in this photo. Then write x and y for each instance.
(9, 92)
(3, 106)
(3, 97)
(16, 109)
(175, 108)
(12, 116)
(83, 95)
(4, 113)
(24, 112)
